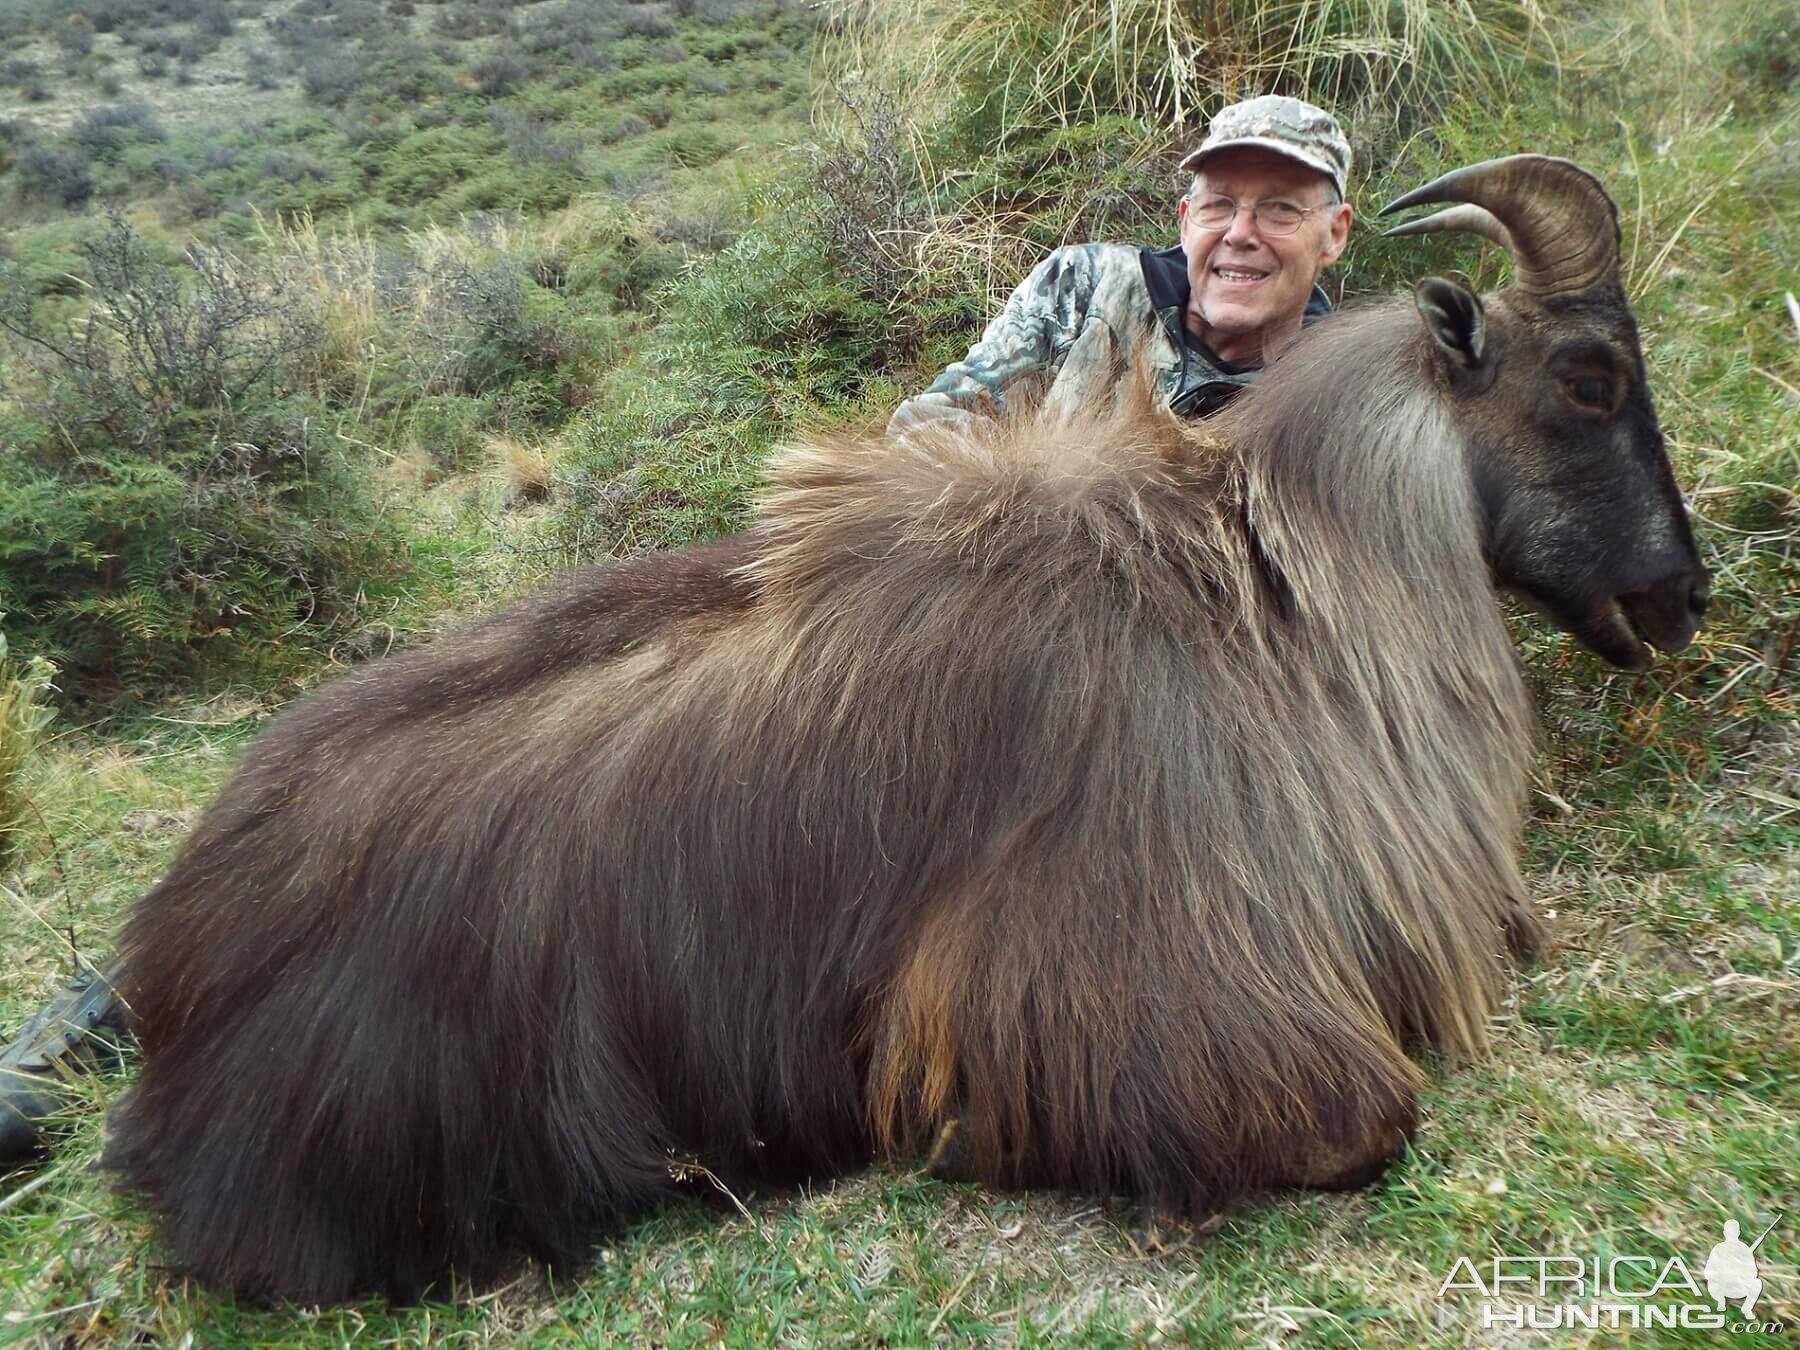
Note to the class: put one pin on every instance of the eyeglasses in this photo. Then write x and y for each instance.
(1273, 217)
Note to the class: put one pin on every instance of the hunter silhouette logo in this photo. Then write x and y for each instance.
(1564, 1290)
(1731, 1269)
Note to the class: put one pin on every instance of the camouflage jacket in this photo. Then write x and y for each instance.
(1083, 312)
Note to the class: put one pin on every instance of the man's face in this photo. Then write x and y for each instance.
(1246, 282)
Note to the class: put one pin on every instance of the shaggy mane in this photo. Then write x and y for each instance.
(1308, 562)
(1118, 795)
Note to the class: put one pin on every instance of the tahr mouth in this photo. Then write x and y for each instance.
(1614, 634)
(1622, 629)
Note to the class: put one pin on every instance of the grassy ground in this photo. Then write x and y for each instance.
(1645, 1080)
(1643, 1088)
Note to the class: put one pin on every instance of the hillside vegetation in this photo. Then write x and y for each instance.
(348, 248)
(329, 324)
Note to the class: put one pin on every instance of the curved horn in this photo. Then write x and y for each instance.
(1460, 220)
(1563, 226)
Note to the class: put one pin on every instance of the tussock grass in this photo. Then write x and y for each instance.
(1023, 63)
(383, 300)
(24, 714)
(335, 273)
(527, 472)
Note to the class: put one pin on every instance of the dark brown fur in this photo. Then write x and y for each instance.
(1127, 795)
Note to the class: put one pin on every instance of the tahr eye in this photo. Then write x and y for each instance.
(1591, 392)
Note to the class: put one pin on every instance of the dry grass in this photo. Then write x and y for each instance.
(379, 301)
(527, 471)
(334, 275)
(1167, 63)
(24, 714)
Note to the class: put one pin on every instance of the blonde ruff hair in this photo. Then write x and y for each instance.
(1287, 677)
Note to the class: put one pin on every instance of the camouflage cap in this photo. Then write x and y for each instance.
(1286, 126)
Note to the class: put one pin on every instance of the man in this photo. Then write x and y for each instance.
(1264, 216)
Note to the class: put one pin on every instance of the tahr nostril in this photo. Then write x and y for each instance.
(1699, 598)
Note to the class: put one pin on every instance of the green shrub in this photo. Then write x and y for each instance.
(533, 188)
(499, 74)
(169, 503)
(447, 427)
(647, 23)
(106, 131)
(56, 177)
(761, 341)
(45, 260)
(259, 69)
(332, 79)
(75, 38)
(1764, 57)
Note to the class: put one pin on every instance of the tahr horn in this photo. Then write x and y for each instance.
(1555, 218)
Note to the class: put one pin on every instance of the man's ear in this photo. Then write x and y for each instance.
(1337, 233)
(1455, 320)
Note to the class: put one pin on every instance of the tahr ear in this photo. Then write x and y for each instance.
(1454, 318)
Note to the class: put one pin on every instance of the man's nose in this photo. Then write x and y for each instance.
(1242, 230)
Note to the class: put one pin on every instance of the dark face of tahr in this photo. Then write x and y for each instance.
(1582, 516)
